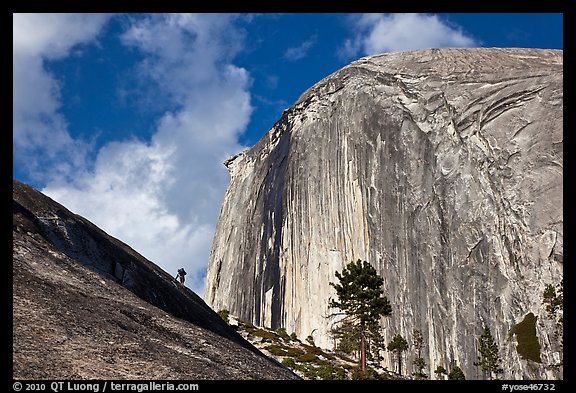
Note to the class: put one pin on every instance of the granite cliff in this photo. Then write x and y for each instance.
(87, 306)
(443, 168)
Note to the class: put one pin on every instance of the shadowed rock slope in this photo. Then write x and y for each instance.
(86, 305)
(443, 168)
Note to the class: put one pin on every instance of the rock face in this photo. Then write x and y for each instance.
(87, 306)
(443, 168)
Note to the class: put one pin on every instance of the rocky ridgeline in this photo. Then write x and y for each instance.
(87, 306)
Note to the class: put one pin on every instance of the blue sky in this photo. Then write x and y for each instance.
(126, 119)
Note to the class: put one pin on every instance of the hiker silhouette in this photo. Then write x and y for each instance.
(180, 275)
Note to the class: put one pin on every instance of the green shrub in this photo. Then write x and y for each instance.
(293, 336)
(323, 363)
(369, 373)
(294, 352)
(277, 350)
(330, 372)
(289, 362)
(307, 357)
(282, 333)
(318, 351)
(340, 373)
(224, 315)
(309, 372)
(263, 333)
(439, 371)
(456, 373)
(388, 376)
(246, 324)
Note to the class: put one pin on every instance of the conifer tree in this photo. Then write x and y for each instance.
(418, 362)
(360, 298)
(398, 345)
(456, 373)
(553, 298)
(488, 357)
(440, 370)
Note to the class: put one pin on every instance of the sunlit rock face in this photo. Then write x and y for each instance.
(443, 168)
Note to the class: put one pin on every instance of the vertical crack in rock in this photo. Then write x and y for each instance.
(443, 168)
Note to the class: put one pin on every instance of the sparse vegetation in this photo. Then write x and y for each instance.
(246, 324)
(368, 373)
(294, 352)
(224, 314)
(277, 350)
(258, 332)
(264, 334)
(310, 361)
(283, 350)
(307, 357)
(282, 333)
(329, 372)
(289, 362)
(309, 364)
(310, 340)
(325, 371)
(313, 362)
(318, 351)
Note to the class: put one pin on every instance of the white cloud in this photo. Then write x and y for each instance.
(300, 51)
(39, 130)
(53, 35)
(124, 196)
(379, 33)
(162, 196)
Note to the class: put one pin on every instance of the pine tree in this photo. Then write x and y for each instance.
(360, 298)
(418, 362)
(398, 345)
(553, 301)
(553, 298)
(347, 337)
(439, 371)
(488, 358)
(456, 373)
(374, 341)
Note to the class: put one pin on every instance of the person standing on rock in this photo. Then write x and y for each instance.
(180, 275)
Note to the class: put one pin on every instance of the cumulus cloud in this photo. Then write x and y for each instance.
(379, 33)
(40, 132)
(300, 51)
(162, 196)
